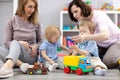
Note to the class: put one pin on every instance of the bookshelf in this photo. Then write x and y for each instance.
(66, 24)
(68, 27)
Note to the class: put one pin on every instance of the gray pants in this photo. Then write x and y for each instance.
(16, 51)
(112, 55)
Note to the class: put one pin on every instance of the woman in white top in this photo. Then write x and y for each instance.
(107, 34)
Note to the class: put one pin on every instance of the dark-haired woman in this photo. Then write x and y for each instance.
(107, 34)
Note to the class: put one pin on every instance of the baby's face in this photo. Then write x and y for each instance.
(84, 30)
(56, 37)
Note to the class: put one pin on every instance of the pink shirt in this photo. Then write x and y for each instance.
(103, 22)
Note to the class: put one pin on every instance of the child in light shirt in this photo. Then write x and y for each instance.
(48, 49)
(89, 48)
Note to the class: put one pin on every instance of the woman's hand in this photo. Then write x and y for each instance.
(25, 44)
(27, 47)
(33, 51)
(78, 38)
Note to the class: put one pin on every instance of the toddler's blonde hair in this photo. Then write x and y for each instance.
(91, 26)
(51, 31)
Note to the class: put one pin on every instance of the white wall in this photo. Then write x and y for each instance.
(6, 11)
(50, 11)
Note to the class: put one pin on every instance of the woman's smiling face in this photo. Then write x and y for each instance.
(29, 8)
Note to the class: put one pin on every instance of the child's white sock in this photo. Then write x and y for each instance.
(100, 72)
(52, 67)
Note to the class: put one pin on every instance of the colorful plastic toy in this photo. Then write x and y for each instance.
(107, 6)
(66, 27)
(38, 69)
(88, 2)
(70, 41)
(79, 64)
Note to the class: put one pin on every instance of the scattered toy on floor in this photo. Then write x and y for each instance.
(38, 69)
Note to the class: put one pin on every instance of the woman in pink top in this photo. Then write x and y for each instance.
(23, 36)
(107, 34)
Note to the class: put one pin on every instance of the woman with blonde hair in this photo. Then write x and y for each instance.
(23, 36)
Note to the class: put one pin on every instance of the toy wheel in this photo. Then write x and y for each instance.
(73, 71)
(86, 73)
(67, 70)
(30, 72)
(79, 71)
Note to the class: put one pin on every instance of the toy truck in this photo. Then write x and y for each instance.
(38, 69)
(79, 64)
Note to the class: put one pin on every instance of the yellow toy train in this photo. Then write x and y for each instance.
(79, 64)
